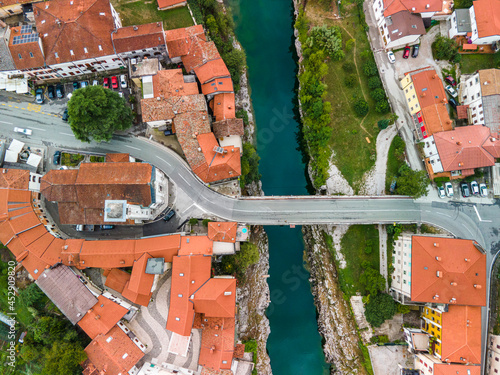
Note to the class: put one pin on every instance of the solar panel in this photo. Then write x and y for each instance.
(25, 29)
(27, 38)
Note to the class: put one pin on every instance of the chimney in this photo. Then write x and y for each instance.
(438, 259)
(97, 317)
(439, 274)
(435, 296)
(459, 143)
(122, 261)
(427, 6)
(493, 139)
(466, 259)
(135, 28)
(453, 300)
(477, 286)
(434, 76)
(453, 283)
(422, 95)
(436, 244)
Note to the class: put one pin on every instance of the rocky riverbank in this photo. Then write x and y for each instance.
(335, 320)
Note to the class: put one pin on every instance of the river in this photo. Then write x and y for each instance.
(265, 30)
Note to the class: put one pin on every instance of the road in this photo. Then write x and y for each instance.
(470, 221)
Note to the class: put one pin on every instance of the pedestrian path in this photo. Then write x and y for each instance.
(382, 235)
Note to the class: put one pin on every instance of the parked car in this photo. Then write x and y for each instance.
(406, 52)
(106, 227)
(39, 96)
(65, 116)
(483, 190)
(89, 228)
(60, 91)
(451, 91)
(453, 103)
(51, 92)
(441, 192)
(57, 158)
(123, 81)
(170, 214)
(84, 84)
(79, 228)
(449, 189)
(76, 85)
(167, 132)
(23, 131)
(474, 186)
(114, 82)
(105, 83)
(391, 57)
(416, 48)
(95, 82)
(464, 186)
(450, 80)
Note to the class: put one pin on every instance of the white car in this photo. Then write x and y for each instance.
(123, 81)
(474, 187)
(95, 82)
(449, 189)
(451, 91)
(441, 192)
(23, 131)
(483, 190)
(391, 57)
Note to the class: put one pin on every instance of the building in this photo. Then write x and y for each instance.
(438, 270)
(417, 340)
(493, 358)
(456, 153)
(107, 193)
(402, 22)
(170, 4)
(426, 100)
(427, 364)
(481, 93)
(480, 24)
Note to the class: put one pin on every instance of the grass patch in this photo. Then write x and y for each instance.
(251, 347)
(470, 63)
(395, 159)
(141, 12)
(367, 363)
(71, 160)
(97, 159)
(353, 248)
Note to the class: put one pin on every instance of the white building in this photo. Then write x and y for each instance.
(431, 152)
(493, 358)
(401, 261)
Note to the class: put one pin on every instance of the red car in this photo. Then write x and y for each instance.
(105, 83)
(450, 80)
(114, 82)
(406, 52)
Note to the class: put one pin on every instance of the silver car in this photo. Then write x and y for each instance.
(483, 190)
(449, 189)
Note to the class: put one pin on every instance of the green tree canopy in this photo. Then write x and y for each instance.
(249, 165)
(64, 358)
(361, 107)
(372, 281)
(445, 49)
(412, 183)
(379, 308)
(95, 113)
(328, 39)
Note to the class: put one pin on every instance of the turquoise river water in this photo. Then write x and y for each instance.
(265, 29)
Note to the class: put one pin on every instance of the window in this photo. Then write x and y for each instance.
(472, 97)
(496, 359)
(71, 52)
(100, 47)
(31, 55)
(20, 57)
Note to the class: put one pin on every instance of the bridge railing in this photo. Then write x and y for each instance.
(326, 197)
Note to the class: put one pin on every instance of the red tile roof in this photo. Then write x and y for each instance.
(200, 52)
(223, 107)
(462, 111)
(226, 128)
(487, 14)
(108, 254)
(102, 317)
(179, 40)
(170, 83)
(170, 108)
(217, 166)
(195, 245)
(449, 369)
(217, 85)
(211, 70)
(25, 55)
(138, 37)
(222, 231)
(163, 4)
(462, 148)
(216, 298)
(117, 158)
(492, 145)
(138, 288)
(114, 352)
(448, 270)
(217, 343)
(461, 335)
(117, 279)
(414, 6)
(67, 28)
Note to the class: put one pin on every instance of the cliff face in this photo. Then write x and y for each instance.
(335, 320)
(253, 300)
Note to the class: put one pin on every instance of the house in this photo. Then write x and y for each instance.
(493, 359)
(417, 340)
(438, 270)
(481, 93)
(426, 100)
(101, 317)
(10, 8)
(130, 41)
(458, 152)
(229, 132)
(480, 24)
(110, 192)
(170, 4)
(427, 364)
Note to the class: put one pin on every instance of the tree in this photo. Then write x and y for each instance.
(193, 221)
(64, 358)
(350, 80)
(377, 94)
(412, 183)
(249, 165)
(348, 67)
(370, 68)
(382, 106)
(383, 124)
(445, 49)
(205, 222)
(248, 255)
(361, 107)
(372, 281)
(328, 39)
(374, 82)
(235, 61)
(96, 113)
(379, 308)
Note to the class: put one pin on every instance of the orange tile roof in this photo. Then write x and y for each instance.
(14, 179)
(102, 317)
(113, 352)
(34, 265)
(178, 40)
(487, 14)
(159, 247)
(447, 270)
(490, 81)
(170, 82)
(52, 254)
(226, 128)
(217, 343)
(40, 245)
(414, 6)
(211, 70)
(200, 52)
(138, 288)
(223, 107)
(492, 145)
(168, 3)
(108, 254)
(67, 28)
(172, 107)
(218, 166)
(222, 231)
(59, 185)
(216, 298)
(25, 55)
(450, 369)
(117, 158)
(138, 37)
(462, 148)
(195, 245)
(217, 85)
(117, 279)
(188, 274)
(462, 111)
(461, 335)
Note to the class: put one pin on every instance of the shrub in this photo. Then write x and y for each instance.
(361, 107)
(328, 39)
(412, 183)
(193, 221)
(374, 82)
(382, 106)
(402, 309)
(348, 67)
(378, 94)
(372, 281)
(205, 222)
(349, 45)
(350, 80)
(445, 49)
(379, 308)
(383, 124)
(370, 68)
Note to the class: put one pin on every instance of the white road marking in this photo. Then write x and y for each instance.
(440, 213)
(135, 148)
(184, 180)
(164, 160)
(5, 122)
(71, 135)
(479, 217)
(43, 130)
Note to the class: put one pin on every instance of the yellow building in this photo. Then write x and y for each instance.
(410, 94)
(433, 320)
